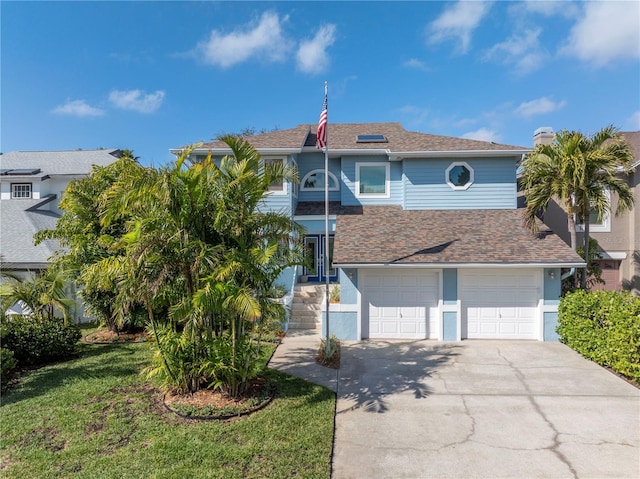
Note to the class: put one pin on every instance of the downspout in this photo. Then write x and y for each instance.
(567, 274)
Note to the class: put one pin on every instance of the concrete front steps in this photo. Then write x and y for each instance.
(306, 309)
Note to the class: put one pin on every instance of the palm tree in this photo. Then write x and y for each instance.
(87, 241)
(42, 294)
(201, 256)
(575, 171)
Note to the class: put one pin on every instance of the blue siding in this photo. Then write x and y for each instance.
(349, 181)
(552, 286)
(277, 203)
(348, 286)
(343, 324)
(494, 185)
(450, 286)
(450, 326)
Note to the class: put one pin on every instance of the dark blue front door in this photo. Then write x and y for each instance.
(315, 247)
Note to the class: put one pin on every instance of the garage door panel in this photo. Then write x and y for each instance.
(499, 304)
(400, 304)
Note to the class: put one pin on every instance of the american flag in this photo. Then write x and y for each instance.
(321, 141)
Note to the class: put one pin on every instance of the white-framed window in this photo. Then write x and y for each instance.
(459, 175)
(602, 225)
(277, 187)
(21, 190)
(314, 181)
(372, 180)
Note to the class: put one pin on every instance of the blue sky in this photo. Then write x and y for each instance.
(150, 76)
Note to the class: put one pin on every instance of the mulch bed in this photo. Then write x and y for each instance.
(333, 362)
(209, 404)
(104, 336)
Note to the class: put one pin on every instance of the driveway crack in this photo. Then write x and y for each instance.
(554, 448)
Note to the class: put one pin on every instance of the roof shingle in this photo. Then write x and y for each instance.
(343, 136)
(391, 235)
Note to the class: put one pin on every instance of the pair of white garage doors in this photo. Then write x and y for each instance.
(495, 304)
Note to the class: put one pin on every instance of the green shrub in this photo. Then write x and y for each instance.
(603, 326)
(37, 341)
(7, 367)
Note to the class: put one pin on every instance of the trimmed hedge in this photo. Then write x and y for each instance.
(35, 341)
(7, 368)
(603, 326)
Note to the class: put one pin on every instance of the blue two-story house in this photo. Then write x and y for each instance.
(426, 240)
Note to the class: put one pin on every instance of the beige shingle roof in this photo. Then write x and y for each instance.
(342, 136)
(391, 235)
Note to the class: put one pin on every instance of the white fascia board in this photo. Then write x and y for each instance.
(350, 151)
(613, 255)
(312, 217)
(228, 151)
(459, 265)
(401, 155)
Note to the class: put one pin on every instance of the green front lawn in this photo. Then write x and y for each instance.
(97, 417)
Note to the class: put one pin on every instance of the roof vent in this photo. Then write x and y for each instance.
(21, 171)
(371, 139)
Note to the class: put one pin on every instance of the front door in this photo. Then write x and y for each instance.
(315, 248)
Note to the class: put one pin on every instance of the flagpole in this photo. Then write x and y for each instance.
(326, 227)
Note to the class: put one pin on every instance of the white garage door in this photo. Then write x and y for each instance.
(399, 303)
(500, 304)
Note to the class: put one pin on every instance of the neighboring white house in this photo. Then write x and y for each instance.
(31, 186)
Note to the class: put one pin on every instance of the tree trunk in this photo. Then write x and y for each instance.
(571, 224)
(585, 248)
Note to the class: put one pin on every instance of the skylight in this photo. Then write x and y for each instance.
(377, 138)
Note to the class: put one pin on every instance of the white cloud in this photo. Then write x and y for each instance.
(633, 121)
(312, 54)
(483, 134)
(539, 106)
(136, 100)
(608, 31)
(522, 50)
(550, 8)
(415, 116)
(77, 108)
(416, 64)
(263, 38)
(457, 23)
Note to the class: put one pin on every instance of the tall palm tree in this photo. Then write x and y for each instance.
(576, 171)
(201, 253)
(86, 241)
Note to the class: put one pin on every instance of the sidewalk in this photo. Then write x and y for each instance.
(296, 355)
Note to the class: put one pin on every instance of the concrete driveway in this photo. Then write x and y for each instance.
(483, 409)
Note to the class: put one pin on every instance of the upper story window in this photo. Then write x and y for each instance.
(21, 190)
(459, 175)
(598, 225)
(314, 181)
(372, 180)
(277, 186)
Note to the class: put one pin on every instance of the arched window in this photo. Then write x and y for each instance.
(314, 181)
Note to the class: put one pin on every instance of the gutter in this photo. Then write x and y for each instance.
(458, 265)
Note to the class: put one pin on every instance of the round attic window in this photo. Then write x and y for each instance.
(459, 175)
